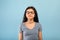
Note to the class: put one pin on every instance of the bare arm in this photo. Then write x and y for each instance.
(40, 35)
(20, 36)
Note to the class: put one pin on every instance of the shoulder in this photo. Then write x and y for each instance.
(21, 24)
(38, 24)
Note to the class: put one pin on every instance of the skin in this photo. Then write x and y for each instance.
(30, 15)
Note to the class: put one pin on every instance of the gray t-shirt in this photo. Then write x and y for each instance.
(30, 34)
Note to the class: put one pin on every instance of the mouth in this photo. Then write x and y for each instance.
(30, 16)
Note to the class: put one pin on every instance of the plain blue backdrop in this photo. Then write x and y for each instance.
(12, 11)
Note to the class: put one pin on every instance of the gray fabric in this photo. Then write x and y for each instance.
(30, 34)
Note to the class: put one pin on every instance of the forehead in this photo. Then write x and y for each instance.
(30, 9)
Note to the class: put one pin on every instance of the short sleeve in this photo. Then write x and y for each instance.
(40, 27)
(20, 27)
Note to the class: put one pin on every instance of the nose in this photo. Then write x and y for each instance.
(30, 13)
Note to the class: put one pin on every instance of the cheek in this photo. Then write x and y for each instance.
(27, 15)
(33, 15)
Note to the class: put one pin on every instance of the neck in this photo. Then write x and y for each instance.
(30, 21)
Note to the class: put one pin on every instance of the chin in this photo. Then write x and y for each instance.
(30, 18)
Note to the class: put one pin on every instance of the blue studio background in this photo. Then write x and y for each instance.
(11, 15)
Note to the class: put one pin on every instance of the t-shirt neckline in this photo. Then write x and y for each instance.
(28, 28)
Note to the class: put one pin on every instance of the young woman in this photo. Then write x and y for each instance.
(30, 28)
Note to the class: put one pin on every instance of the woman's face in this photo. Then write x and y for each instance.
(30, 13)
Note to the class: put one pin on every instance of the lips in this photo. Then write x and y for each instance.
(30, 16)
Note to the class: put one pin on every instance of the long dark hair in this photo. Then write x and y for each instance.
(36, 16)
